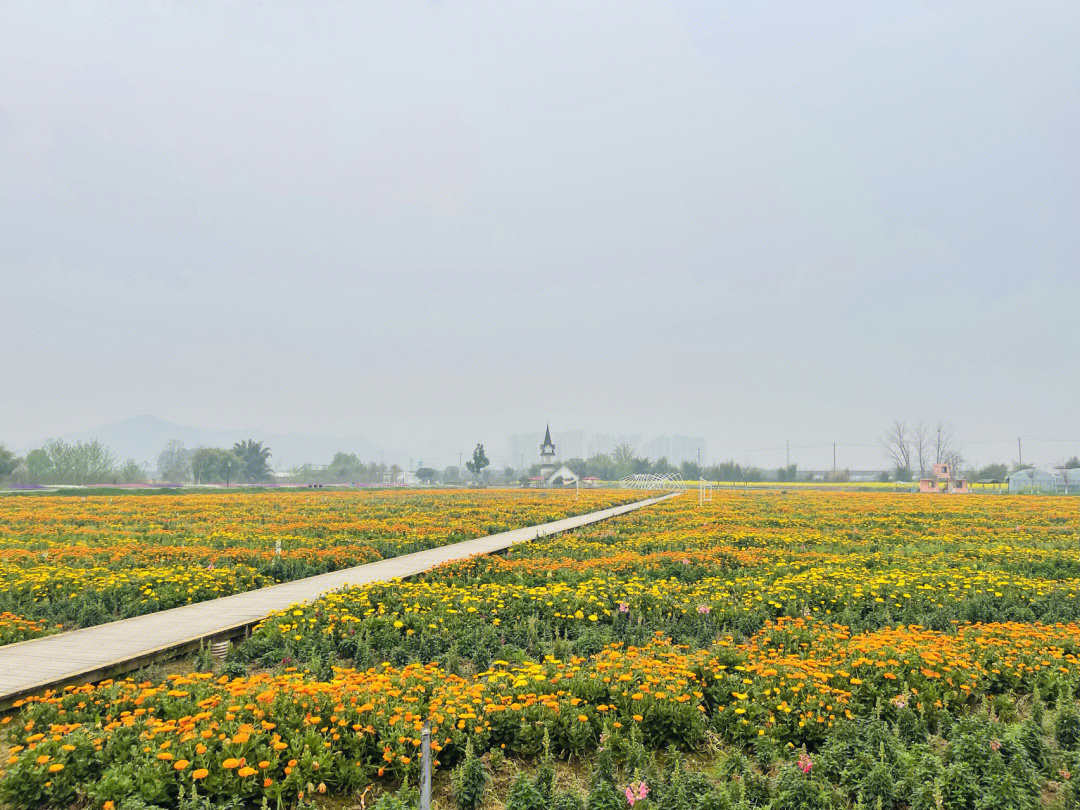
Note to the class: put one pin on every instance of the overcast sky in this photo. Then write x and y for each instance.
(435, 223)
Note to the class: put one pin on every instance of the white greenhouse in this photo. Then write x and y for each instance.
(1035, 479)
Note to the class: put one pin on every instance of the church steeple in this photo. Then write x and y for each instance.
(548, 444)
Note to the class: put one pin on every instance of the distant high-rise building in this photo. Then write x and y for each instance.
(657, 448)
(687, 448)
(523, 449)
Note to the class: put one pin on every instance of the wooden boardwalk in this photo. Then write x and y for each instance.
(94, 653)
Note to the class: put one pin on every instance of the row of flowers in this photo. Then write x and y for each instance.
(273, 735)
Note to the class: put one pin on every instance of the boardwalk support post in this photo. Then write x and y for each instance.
(425, 767)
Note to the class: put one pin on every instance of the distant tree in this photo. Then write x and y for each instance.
(897, 445)
(451, 475)
(788, 473)
(344, 467)
(254, 460)
(945, 449)
(690, 470)
(211, 465)
(8, 462)
(174, 463)
(725, 471)
(842, 476)
(131, 473)
(921, 439)
(426, 474)
(508, 474)
(79, 463)
(883, 476)
(1073, 463)
(899, 474)
(992, 472)
(39, 468)
(623, 455)
(478, 461)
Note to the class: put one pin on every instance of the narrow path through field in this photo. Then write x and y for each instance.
(99, 652)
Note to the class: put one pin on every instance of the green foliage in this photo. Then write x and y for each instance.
(524, 795)
(1067, 725)
(469, 781)
(404, 799)
(213, 465)
(478, 462)
(8, 462)
(254, 460)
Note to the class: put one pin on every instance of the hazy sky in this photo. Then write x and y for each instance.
(435, 223)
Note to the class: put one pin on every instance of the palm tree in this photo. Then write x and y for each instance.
(254, 460)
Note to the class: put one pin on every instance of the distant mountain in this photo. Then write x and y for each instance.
(143, 438)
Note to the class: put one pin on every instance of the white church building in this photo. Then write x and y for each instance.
(553, 474)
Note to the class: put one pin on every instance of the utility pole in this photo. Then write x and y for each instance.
(787, 444)
(1020, 451)
(834, 456)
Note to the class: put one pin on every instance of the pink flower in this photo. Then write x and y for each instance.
(704, 609)
(805, 764)
(995, 745)
(636, 792)
(623, 607)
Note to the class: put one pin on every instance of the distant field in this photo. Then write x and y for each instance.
(79, 561)
(783, 650)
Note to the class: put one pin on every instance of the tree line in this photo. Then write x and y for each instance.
(913, 448)
(91, 462)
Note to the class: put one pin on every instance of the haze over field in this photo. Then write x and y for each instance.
(427, 224)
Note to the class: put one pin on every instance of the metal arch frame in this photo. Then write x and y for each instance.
(669, 482)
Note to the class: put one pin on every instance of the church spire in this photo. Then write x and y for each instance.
(547, 440)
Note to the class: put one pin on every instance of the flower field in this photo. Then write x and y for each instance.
(795, 650)
(69, 561)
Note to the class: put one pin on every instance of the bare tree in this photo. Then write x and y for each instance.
(897, 445)
(920, 446)
(174, 463)
(944, 445)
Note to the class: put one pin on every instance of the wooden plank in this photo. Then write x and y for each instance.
(93, 653)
